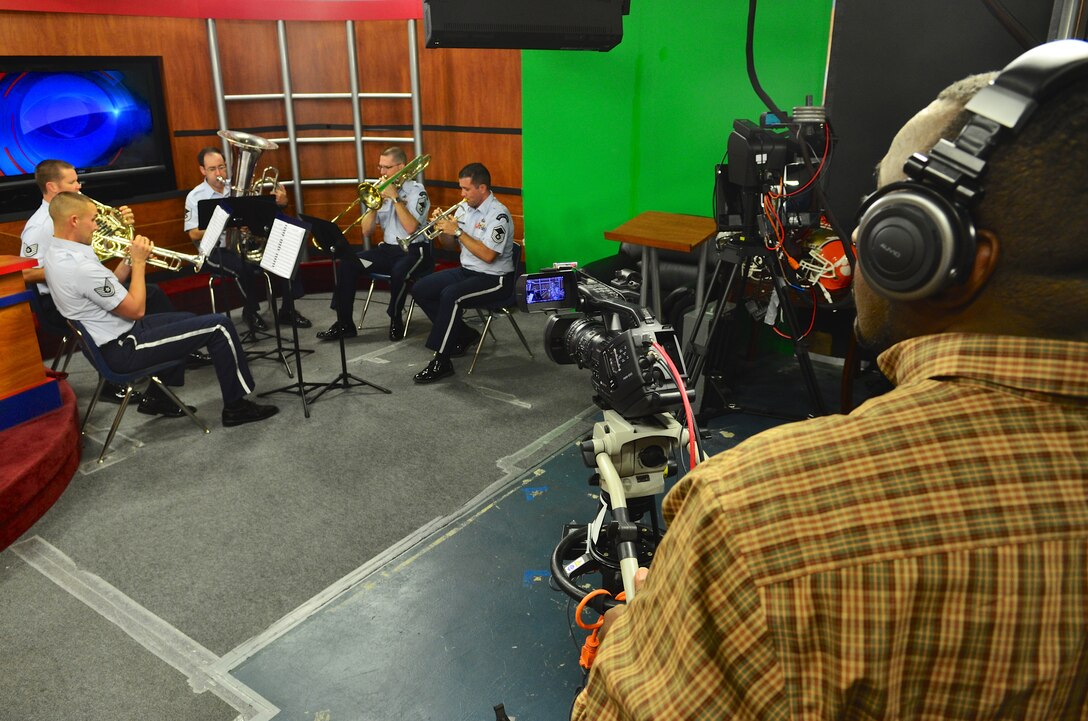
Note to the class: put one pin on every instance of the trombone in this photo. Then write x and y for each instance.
(430, 231)
(370, 194)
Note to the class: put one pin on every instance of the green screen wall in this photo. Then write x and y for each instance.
(609, 135)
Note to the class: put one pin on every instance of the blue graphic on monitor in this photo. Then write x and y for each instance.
(85, 118)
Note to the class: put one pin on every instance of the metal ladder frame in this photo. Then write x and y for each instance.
(289, 97)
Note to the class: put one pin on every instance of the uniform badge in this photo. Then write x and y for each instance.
(30, 250)
(107, 289)
(502, 216)
(421, 205)
(499, 233)
(188, 213)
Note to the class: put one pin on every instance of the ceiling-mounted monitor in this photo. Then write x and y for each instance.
(525, 24)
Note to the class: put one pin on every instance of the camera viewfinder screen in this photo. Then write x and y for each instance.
(549, 290)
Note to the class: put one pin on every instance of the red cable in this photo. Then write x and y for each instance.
(811, 321)
(692, 449)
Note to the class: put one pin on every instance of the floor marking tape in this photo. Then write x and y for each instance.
(197, 663)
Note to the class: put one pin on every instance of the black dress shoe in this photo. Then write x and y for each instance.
(396, 328)
(294, 318)
(470, 338)
(338, 330)
(159, 405)
(254, 321)
(113, 393)
(198, 358)
(246, 411)
(438, 368)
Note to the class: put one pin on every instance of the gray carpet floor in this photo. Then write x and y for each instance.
(216, 537)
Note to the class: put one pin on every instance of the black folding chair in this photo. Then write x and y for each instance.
(125, 380)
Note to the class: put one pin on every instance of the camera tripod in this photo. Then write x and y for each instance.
(631, 457)
(738, 257)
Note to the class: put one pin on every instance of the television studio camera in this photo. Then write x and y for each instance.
(775, 247)
(638, 377)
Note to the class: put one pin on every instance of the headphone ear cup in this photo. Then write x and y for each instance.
(912, 242)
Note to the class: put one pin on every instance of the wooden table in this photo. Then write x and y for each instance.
(672, 231)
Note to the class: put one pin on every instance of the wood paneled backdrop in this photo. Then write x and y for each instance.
(470, 100)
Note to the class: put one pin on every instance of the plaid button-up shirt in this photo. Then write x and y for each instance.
(925, 557)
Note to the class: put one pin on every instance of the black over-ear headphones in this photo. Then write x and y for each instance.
(917, 237)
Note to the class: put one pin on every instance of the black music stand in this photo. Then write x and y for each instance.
(258, 212)
(281, 255)
(330, 239)
(254, 212)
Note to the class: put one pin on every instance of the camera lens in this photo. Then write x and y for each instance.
(574, 338)
(585, 340)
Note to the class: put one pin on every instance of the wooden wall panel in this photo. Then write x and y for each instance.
(470, 99)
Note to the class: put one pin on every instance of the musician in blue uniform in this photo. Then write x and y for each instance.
(484, 231)
(399, 215)
(214, 169)
(115, 317)
(55, 176)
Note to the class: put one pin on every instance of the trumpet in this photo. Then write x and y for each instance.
(112, 246)
(370, 194)
(430, 231)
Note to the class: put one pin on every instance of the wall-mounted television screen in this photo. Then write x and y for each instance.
(104, 115)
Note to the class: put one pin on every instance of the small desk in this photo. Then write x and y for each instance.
(671, 231)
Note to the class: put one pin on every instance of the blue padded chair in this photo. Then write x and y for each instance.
(505, 307)
(68, 339)
(385, 278)
(125, 380)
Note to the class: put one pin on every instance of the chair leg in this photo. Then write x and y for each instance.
(487, 323)
(166, 389)
(366, 306)
(487, 326)
(517, 329)
(91, 405)
(66, 348)
(116, 420)
(408, 320)
(73, 343)
(211, 290)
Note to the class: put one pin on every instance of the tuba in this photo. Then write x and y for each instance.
(245, 150)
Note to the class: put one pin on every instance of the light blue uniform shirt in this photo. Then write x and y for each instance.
(85, 290)
(197, 194)
(36, 238)
(492, 225)
(415, 199)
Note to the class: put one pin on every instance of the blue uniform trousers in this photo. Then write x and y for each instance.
(225, 262)
(165, 337)
(443, 296)
(384, 258)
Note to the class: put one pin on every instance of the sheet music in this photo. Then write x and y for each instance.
(215, 227)
(283, 246)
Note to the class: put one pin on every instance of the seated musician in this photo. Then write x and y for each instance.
(484, 231)
(213, 168)
(402, 209)
(54, 176)
(84, 290)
